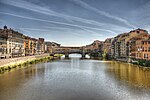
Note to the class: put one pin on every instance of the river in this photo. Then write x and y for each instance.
(76, 79)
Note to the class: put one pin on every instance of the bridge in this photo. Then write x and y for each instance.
(69, 50)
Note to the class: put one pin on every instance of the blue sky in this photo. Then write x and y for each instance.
(74, 22)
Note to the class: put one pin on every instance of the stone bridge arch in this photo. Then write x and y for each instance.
(69, 50)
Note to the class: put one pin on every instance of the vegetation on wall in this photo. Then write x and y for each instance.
(25, 64)
(142, 62)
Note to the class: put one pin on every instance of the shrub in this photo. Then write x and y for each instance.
(147, 63)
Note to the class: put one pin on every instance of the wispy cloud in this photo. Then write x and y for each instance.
(147, 4)
(86, 29)
(55, 22)
(80, 33)
(49, 29)
(93, 32)
(35, 29)
(73, 19)
(1, 21)
(87, 6)
(77, 32)
(50, 12)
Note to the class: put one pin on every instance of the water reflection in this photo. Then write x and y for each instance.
(76, 79)
(129, 73)
(75, 63)
(75, 55)
(87, 56)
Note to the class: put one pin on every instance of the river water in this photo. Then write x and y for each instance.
(76, 80)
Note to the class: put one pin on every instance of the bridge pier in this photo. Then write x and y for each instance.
(83, 56)
(66, 56)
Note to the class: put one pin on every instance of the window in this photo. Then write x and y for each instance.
(140, 54)
(144, 55)
(142, 42)
(0, 49)
(145, 49)
(148, 49)
(137, 54)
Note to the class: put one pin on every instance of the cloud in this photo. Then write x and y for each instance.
(76, 32)
(59, 29)
(55, 22)
(147, 4)
(80, 33)
(35, 29)
(86, 29)
(93, 32)
(39, 9)
(87, 6)
(2, 21)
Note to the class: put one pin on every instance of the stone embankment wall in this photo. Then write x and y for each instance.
(13, 61)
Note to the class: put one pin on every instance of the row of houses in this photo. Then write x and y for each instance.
(126, 46)
(15, 44)
(96, 46)
(129, 46)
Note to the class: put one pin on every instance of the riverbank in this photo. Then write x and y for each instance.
(12, 63)
(144, 64)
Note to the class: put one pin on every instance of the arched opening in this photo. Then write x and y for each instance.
(75, 55)
(87, 56)
(63, 57)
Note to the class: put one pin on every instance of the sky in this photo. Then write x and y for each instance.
(74, 22)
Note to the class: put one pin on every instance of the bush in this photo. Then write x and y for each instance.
(136, 63)
(143, 62)
(147, 63)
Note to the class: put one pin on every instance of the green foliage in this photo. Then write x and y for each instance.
(147, 63)
(2, 69)
(95, 55)
(142, 62)
(104, 56)
(24, 64)
(136, 63)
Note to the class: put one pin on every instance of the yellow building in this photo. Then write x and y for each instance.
(33, 44)
(27, 46)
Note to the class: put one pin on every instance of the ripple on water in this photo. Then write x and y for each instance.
(76, 80)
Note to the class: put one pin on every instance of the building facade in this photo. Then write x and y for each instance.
(3, 44)
(15, 43)
(146, 50)
(33, 46)
(132, 45)
(107, 46)
(27, 46)
(40, 47)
